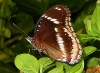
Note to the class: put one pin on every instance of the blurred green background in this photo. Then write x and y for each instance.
(25, 14)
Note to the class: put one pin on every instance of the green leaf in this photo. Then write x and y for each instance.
(92, 22)
(92, 62)
(88, 26)
(7, 33)
(61, 63)
(88, 50)
(88, 9)
(58, 69)
(98, 14)
(85, 37)
(65, 65)
(95, 20)
(78, 68)
(27, 63)
(44, 62)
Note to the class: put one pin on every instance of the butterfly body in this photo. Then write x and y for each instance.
(55, 36)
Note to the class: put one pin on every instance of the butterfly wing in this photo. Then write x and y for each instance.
(55, 36)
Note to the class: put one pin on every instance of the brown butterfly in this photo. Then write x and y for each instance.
(55, 36)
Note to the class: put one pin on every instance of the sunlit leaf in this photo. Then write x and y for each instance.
(27, 63)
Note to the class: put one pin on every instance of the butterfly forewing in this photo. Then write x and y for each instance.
(55, 36)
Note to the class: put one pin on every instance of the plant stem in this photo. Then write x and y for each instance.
(1, 24)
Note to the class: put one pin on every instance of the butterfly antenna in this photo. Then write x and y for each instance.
(19, 29)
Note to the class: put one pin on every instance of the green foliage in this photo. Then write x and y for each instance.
(29, 64)
(25, 14)
(92, 62)
(92, 22)
(88, 50)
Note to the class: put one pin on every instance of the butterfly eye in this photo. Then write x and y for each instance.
(55, 36)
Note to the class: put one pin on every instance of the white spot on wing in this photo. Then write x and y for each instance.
(64, 60)
(53, 20)
(65, 30)
(39, 26)
(80, 47)
(56, 8)
(59, 59)
(61, 45)
(49, 18)
(74, 34)
(77, 40)
(59, 38)
(60, 42)
(69, 19)
(56, 29)
(56, 22)
(71, 29)
(80, 52)
(43, 15)
(59, 8)
(69, 24)
(37, 30)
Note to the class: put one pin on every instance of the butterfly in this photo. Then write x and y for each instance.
(55, 37)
